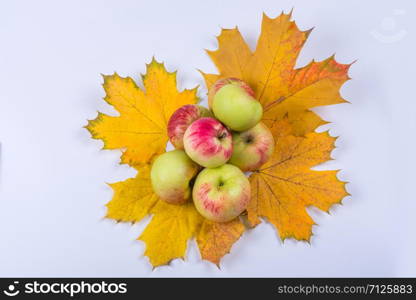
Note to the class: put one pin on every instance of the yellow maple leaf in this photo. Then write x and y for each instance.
(140, 128)
(284, 186)
(167, 234)
(270, 71)
(171, 226)
(133, 198)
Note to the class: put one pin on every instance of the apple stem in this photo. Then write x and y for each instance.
(223, 135)
(249, 139)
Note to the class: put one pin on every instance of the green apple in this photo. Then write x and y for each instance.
(252, 148)
(171, 175)
(221, 194)
(233, 103)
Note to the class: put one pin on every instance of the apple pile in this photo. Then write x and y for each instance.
(214, 147)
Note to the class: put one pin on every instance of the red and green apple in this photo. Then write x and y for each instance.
(181, 119)
(171, 175)
(221, 194)
(252, 148)
(208, 142)
(233, 103)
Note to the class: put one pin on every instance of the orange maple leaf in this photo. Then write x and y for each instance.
(216, 239)
(270, 71)
(284, 186)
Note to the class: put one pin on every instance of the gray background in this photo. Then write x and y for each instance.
(52, 174)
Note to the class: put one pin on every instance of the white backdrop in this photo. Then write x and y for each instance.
(52, 174)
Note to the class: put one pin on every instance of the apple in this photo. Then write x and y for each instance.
(208, 142)
(220, 83)
(221, 194)
(252, 148)
(233, 103)
(181, 119)
(171, 175)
